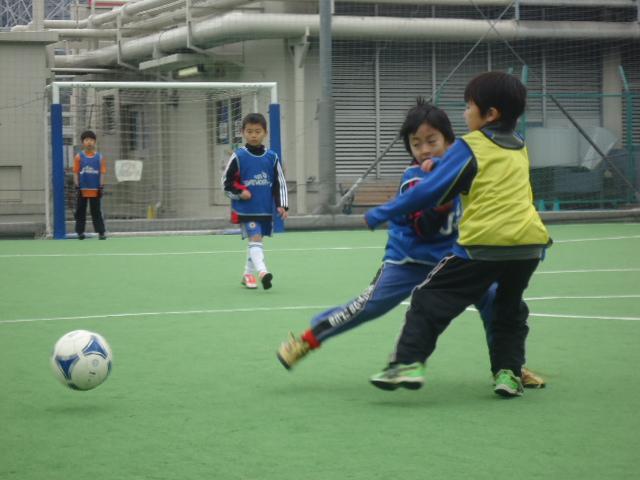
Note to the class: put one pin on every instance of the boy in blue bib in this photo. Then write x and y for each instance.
(254, 181)
(89, 169)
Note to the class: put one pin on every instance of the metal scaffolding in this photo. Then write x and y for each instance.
(20, 12)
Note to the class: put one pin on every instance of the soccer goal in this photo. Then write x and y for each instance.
(166, 145)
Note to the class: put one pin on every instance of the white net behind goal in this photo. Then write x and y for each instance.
(165, 148)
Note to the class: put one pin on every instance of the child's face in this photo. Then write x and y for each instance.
(475, 120)
(254, 134)
(89, 143)
(427, 142)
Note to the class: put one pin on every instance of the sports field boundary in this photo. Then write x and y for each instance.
(222, 226)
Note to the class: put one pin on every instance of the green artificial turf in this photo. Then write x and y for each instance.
(197, 393)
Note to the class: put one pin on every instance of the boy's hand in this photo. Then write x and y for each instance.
(368, 221)
(427, 165)
(283, 213)
(245, 195)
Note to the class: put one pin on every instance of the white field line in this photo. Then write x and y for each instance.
(311, 307)
(169, 312)
(600, 239)
(585, 317)
(566, 297)
(202, 252)
(582, 297)
(217, 252)
(593, 270)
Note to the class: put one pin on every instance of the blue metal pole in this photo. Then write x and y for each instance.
(57, 170)
(275, 143)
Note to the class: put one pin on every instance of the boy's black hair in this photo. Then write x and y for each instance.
(501, 91)
(254, 119)
(87, 134)
(424, 112)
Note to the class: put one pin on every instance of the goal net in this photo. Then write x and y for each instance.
(166, 145)
(578, 61)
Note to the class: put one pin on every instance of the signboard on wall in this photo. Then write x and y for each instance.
(128, 170)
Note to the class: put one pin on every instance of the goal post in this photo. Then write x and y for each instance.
(173, 140)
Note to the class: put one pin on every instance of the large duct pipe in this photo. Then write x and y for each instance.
(79, 33)
(141, 6)
(135, 25)
(238, 26)
(165, 18)
(130, 10)
(179, 15)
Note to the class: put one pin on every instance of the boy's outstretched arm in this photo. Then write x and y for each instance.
(452, 176)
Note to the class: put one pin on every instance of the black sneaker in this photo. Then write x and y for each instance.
(81, 236)
(102, 236)
(265, 279)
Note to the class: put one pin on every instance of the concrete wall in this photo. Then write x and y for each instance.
(23, 78)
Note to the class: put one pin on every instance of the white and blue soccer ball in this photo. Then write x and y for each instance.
(81, 360)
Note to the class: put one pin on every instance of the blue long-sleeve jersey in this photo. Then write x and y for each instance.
(423, 237)
(453, 176)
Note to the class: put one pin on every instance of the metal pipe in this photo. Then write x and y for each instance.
(179, 15)
(47, 177)
(134, 24)
(37, 15)
(85, 32)
(65, 23)
(55, 86)
(238, 26)
(127, 10)
(326, 113)
(130, 9)
(83, 70)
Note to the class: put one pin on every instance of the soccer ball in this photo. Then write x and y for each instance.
(81, 360)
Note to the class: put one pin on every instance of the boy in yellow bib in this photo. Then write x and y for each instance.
(501, 237)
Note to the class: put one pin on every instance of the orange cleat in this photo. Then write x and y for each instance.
(249, 281)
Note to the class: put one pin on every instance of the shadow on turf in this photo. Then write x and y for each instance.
(441, 392)
(78, 410)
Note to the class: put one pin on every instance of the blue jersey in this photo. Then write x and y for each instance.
(405, 244)
(89, 175)
(256, 172)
